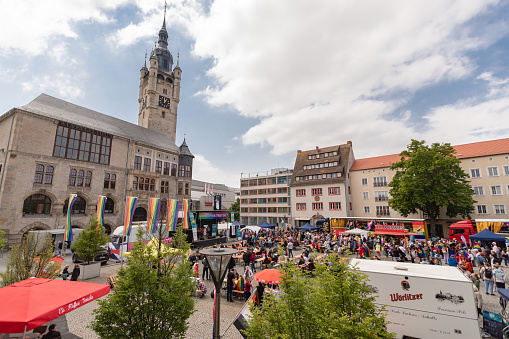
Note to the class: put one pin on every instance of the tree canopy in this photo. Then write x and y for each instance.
(153, 297)
(334, 302)
(90, 241)
(235, 208)
(429, 178)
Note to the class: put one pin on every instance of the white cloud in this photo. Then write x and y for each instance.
(67, 87)
(31, 25)
(204, 170)
(314, 72)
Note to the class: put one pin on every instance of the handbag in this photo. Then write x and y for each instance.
(65, 275)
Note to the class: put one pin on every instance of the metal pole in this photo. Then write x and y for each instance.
(218, 312)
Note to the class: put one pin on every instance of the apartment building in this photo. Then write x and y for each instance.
(320, 186)
(265, 196)
(487, 164)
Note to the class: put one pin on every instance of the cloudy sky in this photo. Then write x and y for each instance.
(263, 78)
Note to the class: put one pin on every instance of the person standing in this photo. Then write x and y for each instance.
(229, 286)
(75, 273)
(487, 274)
(205, 272)
(499, 276)
(452, 261)
(65, 272)
(289, 246)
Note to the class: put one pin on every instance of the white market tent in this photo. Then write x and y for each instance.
(357, 231)
(255, 229)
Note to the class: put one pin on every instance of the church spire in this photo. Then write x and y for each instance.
(163, 34)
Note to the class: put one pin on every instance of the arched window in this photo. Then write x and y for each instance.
(79, 206)
(160, 77)
(140, 214)
(37, 204)
(147, 181)
(169, 80)
(109, 207)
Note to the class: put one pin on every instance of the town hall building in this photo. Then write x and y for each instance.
(50, 148)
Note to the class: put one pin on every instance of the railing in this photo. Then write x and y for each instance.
(380, 184)
(382, 198)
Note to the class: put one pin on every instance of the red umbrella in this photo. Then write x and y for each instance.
(268, 276)
(36, 301)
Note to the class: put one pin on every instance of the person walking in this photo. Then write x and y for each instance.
(75, 273)
(289, 247)
(487, 274)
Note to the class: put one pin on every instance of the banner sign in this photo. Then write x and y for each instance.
(193, 225)
(389, 228)
(214, 230)
(239, 235)
(492, 323)
(418, 227)
(233, 217)
(213, 215)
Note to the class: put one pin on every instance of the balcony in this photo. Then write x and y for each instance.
(382, 198)
(380, 184)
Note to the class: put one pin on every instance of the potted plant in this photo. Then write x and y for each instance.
(87, 246)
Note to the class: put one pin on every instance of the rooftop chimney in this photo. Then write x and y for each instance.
(317, 149)
(349, 142)
(299, 151)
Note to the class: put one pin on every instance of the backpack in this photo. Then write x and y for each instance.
(488, 273)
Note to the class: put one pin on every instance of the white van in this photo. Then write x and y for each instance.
(120, 244)
(56, 234)
(423, 301)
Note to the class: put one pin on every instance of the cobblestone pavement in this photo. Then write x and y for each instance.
(200, 323)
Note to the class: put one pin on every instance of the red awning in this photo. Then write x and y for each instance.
(36, 301)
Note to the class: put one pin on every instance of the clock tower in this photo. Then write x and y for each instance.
(160, 89)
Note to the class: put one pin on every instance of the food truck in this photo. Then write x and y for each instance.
(423, 301)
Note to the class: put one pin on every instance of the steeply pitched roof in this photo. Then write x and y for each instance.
(476, 149)
(54, 108)
(184, 149)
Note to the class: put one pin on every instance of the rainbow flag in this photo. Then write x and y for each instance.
(440, 246)
(366, 249)
(153, 214)
(420, 252)
(185, 221)
(100, 210)
(173, 215)
(477, 246)
(129, 213)
(68, 228)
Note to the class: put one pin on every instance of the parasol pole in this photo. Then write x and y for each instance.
(25, 331)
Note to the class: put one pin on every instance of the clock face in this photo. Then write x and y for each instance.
(164, 102)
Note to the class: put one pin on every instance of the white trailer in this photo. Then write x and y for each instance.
(423, 301)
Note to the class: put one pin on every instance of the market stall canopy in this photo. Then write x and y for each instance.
(30, 303)
(236, 223)
(255, 229)
(308, 227)
(357, 231)
(487, 235)
(266, 225)
(389, 232)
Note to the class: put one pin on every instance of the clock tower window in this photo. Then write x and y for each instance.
(162, 114)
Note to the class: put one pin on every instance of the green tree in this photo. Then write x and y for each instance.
(91, 241)
(30, 258)
(235, 208)
(334, 302)
(153, 297)
(428, 178)
(3, 240)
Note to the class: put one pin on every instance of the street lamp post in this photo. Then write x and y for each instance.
(218, 259)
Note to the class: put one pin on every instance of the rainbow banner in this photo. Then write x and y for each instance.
(173, 215)
(193, 225)
(185, 221)
(68, 228)
(153, 214)
(100, 210)
(129, 213)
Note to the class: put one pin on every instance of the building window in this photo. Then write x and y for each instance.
(383, 210)
(381, 196)
(152, 185)
(364, 181)
(109, 206)
(166, 170)
(316, 191)
(367, 210)
(334, 206)
(379, 181)
(482, 209)
(301, 207)
(164, 186)
(475, 173)
(185, 171)
(499, 209)
(135, 183)
(146, 164)
(180, 188)
(506, 170)
(317, 206)
(365, 195)
(137, 162)
(186, 189)
(79, 206)
(37, 204)
(478, 190)
(163, 115)
(80, 178)
(496, 190)
(493, 171)
(81, 143)
(300, 193)
(159, 166)
(334, 191)
(110, 180)
(43, 175)
(173, 170)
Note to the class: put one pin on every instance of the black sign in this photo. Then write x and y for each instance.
(492, 323)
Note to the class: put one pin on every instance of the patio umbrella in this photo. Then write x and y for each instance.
(30, 303)
(268, 276)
